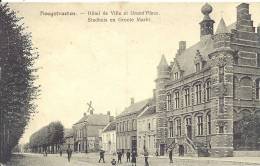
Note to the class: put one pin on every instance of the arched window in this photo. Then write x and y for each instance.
(257, 88)
(171, 129)
(235, 86)
(178, 127)
(208, 90)
(198, 93)
(187, 97)
(177, 99)
(169, 101)
(258, 59)
(209, 123)
(199, 125)
(245, 89)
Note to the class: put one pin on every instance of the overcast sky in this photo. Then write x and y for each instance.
(107, 63)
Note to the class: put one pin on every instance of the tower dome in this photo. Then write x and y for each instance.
(206, 9)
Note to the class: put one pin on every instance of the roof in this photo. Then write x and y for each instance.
(205, 46)
(222, 28)
(68, 133)
(95, 119)
(151, 110)
(135, 108)
(110, 127)
(163, 62)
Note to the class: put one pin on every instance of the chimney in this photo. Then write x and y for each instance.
(108, 113)
(85, 114)
(91, 112)
(132, 100)
(182, 47)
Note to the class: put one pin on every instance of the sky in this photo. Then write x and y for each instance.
(107, 63)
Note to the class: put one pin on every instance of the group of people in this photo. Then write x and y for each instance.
(130, 157)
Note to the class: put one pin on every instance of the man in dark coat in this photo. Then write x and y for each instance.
(133, 158)
(146, 154)
(128, 154)
(119, 156)
(170, 156)
(102, 156)
(69, 152)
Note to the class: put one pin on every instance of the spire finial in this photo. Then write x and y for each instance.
(222, 28)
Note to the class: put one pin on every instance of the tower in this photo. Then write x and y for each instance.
(163, 75)
(207, 24)
(222, 93)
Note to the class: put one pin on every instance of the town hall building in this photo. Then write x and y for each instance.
(209, 86)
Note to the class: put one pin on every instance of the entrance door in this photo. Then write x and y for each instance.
(181, 150)
(162, 148)
(134, 143)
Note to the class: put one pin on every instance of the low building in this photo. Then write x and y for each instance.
(109, 138)
(87, 131)
(146, 130)
(68, 139)
(126, 125)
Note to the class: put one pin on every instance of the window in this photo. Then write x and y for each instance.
(221, 129)
(207, 90)
(149, 126)
(176, 99)
(127, 125)
(197, 67)
(178, 127)
(235, 85)
(188, 128)
(187, 97)
(209, 123)
(257, 84)
(258, 59)
(221, 74)
(176, 76)
(171, 129)
(117, 127)
(133, 124)
(198, 93)
(221, 104)
(169, 101)
(200, 125)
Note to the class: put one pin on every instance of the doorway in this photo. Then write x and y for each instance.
(162, 149)
(181, 150)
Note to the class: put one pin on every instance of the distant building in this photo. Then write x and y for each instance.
(109, 138)
(208, 87)
(87, 131)
(68, 139)
(126, 125)
(146, 130)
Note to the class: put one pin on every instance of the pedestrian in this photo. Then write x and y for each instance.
(146, 154)
(170, 156)
(123, 152)
(133, 158)
(113, 162)
(119, 156)
(69, 152)
(60, 152)
(102, 156)
(128, 154)
(157, 153)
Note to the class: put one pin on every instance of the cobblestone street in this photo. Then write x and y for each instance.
(92, 160)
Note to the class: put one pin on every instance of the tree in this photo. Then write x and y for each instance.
(17, 80)
(246, 132)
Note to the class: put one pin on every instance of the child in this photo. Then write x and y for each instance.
(113, 162)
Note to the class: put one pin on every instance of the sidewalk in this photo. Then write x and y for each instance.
(235, 160)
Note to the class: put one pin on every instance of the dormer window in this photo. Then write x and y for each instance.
(197, 67)
(176, 76)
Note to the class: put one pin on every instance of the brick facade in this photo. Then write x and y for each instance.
(201, 93)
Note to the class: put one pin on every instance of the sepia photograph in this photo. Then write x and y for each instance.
(130, 84)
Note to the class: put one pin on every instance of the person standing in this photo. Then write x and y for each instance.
(146, 154)
(69, 152)
(60, 152)
(170, 156)
(128, 154)
(119, 156)
(102, 156)
(133, 158)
